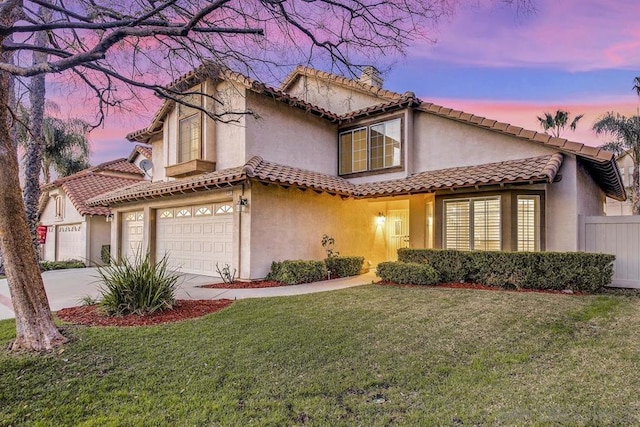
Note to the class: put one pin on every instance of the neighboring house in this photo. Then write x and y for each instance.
(78, 231)
(625, 207)
(374, 169)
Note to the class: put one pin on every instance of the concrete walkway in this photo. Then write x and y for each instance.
(66, 288)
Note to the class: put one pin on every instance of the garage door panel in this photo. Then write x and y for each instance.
(70, 242)
(132, 225)
(194, 244)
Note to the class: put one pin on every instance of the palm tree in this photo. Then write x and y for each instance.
(558, 122)
(66, 146)
(625, 132)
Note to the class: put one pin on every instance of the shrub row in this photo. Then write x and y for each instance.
(408, 273)
(61, 265)
(577, 271)
(294, 272)
(344, 266)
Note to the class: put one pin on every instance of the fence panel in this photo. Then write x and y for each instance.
(617, 235)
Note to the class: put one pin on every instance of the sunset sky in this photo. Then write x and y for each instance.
(578, 55)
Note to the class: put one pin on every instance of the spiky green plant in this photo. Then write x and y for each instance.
(138, 286)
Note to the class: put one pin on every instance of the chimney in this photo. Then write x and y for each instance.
(371, 76)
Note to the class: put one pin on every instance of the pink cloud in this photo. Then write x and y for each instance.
(575, 35)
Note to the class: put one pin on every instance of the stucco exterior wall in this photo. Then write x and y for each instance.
(230, 137)
(99, 233)
(614, 207)
(331, 97)
(562, 209)
(289, 136)
(443, 143)
(159, 143)
(289, 224)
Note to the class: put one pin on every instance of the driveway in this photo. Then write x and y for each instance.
(65, 288)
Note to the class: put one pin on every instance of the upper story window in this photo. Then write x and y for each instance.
(190, 127)
(369, 148)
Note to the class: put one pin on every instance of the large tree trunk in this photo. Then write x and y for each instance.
(35, 148)
(35, 329)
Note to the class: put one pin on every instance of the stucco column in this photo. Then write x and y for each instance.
(149, 233)
(116, 235)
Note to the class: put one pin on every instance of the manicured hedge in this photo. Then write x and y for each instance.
(407, 273)
(344, 266)
(577, 271)
(61, 265)
(297, 271)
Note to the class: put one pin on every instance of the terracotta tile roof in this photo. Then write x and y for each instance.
(600, 163)
(120, 166)
(86, 187)
(301, 70)
(532, 170)
(143, 150)
(148, 190)
(92, 182)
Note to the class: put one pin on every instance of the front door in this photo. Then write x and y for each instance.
(397, 232)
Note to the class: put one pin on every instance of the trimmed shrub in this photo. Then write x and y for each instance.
(61, 265)
(137, 287)
(577, 271)
(407, 273)
(344, 266)
(294, 272)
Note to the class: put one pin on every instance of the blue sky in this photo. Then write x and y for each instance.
(489, 60)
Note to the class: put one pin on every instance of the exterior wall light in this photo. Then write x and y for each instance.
(380, 219)
(242, 203)
(109, 217)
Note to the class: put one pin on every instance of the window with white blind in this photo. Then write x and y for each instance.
(473, 224)
(528, 223)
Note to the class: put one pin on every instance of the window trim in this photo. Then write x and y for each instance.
(367, 124)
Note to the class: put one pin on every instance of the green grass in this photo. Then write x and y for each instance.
(366, 356)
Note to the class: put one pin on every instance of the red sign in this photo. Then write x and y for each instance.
(42, 234)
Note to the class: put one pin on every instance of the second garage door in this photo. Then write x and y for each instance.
(195, 238)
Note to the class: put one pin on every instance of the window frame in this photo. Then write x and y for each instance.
(184, 114)
(368, 125)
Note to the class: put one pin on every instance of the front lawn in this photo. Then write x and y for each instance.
(372, 355)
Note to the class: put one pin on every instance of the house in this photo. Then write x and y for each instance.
(616, 207)
(74, 229)
(324, 154)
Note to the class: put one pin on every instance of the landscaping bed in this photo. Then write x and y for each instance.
(91, 315)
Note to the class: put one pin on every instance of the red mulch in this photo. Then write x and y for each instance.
(184, 309)
(457, 285)
(245, 285)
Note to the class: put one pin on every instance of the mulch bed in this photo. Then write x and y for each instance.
(245, 285)
(184, 309)
(457, 285)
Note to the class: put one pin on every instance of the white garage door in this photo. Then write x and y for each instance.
(195, 238)
(70, 242)
(132, 235)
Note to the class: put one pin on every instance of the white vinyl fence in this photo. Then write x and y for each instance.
(617, 235)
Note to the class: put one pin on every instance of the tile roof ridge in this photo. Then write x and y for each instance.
(250, 167)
